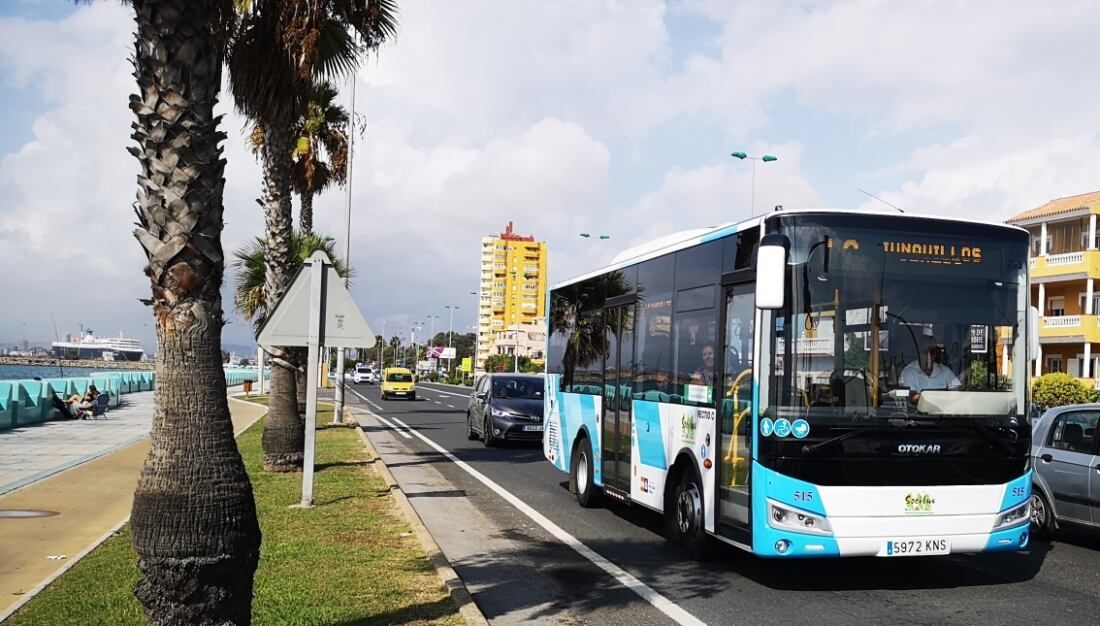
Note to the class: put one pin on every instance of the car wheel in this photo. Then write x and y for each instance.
(684, 514)
(385, 397)
(412, 396)
(1042, 518)
(487, 437)
(471, 434)
(588, 494)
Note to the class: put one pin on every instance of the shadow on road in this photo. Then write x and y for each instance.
(844, 574)
(567, 583)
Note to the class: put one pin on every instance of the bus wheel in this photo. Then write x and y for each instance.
(1042, 523)
(588, 494)
(684, 514)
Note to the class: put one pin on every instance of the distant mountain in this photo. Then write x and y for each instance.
(246, 351)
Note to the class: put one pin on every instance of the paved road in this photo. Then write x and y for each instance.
(537, 577)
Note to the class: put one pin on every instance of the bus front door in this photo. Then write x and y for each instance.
(618, 373)
(735, 411)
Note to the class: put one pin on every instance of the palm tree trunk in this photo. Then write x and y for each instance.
(193, 517)
(305, 213)
(284, 431)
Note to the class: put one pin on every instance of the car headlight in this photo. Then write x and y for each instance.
(783, 517)
(502, 413)
(1014, 516)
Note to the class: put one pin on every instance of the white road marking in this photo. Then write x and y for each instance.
(659, 602)
(451, 406)
(446, 393)
(395, 428)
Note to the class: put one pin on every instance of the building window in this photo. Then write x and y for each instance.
(1055, 365)
(1056, 306)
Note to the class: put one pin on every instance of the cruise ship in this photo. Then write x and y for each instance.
(87, 346)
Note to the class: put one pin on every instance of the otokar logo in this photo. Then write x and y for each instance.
(919, 448)
(919, 503)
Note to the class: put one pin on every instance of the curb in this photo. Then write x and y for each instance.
(451, 580)
(27, 597)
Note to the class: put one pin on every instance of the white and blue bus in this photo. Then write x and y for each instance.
(806, 383)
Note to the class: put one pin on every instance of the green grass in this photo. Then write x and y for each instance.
(349, 560)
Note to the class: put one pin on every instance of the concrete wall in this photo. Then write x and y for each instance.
(24, 402)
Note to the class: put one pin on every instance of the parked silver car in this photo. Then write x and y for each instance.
(1067, 468)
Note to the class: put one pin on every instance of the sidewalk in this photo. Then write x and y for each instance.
(90, 500)
(30, 453)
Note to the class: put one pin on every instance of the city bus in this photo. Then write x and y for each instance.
(805, 383)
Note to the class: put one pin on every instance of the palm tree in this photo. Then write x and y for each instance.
(321, 133)
(251, 301)
(193, 517)
(281, 48)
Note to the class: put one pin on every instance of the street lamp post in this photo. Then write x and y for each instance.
(450, 337)
(382, 350)
(477, 331)
(338, 412)
(767, 158)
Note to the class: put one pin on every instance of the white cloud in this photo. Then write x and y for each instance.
(557, 116)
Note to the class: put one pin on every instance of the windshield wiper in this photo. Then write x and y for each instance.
(855, 432)
(984, 431)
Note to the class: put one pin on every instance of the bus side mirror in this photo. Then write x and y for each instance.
(1033, 334)
(771, 271)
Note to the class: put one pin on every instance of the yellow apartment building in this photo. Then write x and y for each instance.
(512, 294)
(1064, 268)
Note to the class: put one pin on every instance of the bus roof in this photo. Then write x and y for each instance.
(688, 238)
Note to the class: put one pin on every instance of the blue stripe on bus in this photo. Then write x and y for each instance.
(769, 484)
(1017, 492)
(651, 444)
(587, 405)
(1015, 538)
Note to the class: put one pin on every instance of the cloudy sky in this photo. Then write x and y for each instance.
(610, 117)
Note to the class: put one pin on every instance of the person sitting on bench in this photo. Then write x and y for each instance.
(76, 406)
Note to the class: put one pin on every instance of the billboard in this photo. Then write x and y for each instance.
(439, 352)
(467, 365)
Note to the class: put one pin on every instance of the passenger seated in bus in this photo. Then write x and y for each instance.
(705, 374)
(925, 373)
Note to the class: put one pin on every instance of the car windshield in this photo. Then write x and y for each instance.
(399, 377)
(517, 388)
(882, 322)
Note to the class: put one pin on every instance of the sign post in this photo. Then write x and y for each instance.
(316, 310)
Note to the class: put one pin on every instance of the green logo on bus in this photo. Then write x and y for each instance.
(919, 503)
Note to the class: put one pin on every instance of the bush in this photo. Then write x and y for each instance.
(1051, 390)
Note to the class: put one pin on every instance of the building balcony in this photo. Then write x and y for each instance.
(1080, 264)
(1069, 329)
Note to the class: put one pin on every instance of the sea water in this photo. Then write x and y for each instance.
(15, 372)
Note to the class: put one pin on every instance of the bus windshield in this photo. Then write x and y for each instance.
(916, 321)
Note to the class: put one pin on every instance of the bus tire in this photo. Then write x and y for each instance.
(581, 474)
(685, 513)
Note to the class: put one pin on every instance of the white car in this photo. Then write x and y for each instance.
(364, 374)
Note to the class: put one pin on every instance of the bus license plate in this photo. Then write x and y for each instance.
(535, 428)
(915, 546)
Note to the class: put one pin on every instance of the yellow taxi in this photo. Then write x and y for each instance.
(397, 382)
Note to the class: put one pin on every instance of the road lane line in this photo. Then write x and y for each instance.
(380, 409)
(658, 601)
(391, 425)
(451, 405)
(446, 393)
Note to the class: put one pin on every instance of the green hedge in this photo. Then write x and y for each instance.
(1051, 390)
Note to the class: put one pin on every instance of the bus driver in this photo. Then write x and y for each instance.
(925, 373)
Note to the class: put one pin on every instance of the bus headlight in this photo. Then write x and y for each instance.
(1014, 516)
(783, 517)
